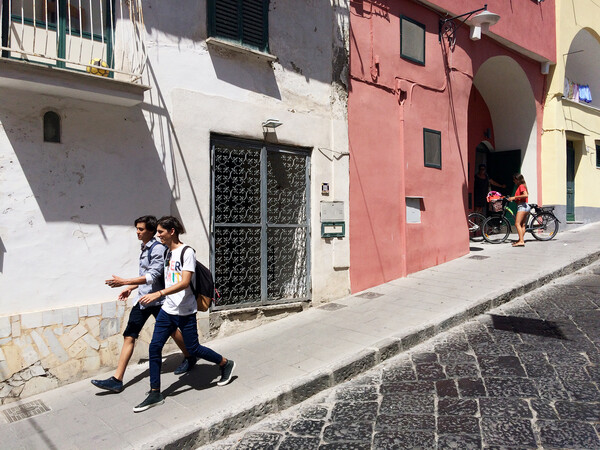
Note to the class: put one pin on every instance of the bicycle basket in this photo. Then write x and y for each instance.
(493, 195)
(496, 205)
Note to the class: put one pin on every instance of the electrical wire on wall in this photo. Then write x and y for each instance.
(593, 155)
(336, 154)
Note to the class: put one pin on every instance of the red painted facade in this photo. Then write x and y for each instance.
(392, 100)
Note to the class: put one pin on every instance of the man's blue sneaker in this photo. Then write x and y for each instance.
(154, 398)
(110, 384)
(226, 373)
(186, 365)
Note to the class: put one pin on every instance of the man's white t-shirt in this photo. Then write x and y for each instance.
(182, 303)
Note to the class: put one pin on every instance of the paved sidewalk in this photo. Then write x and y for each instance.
(287, 361)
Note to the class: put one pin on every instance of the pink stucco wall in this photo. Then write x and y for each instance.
(525, 23)
(479, 121)
(377, 181)
(391, 100)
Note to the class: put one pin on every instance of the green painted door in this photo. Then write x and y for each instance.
(501, 167)
(570, 181)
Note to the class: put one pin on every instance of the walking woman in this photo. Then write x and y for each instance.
(523, 208)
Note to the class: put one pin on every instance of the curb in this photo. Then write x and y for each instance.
(202, 433)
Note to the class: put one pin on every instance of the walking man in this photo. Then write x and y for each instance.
(178, 311)
(150, 280)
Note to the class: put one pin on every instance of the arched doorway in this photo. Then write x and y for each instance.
(508, 96)
(581, 87)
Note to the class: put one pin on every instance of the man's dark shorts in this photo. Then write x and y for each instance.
(137, 319)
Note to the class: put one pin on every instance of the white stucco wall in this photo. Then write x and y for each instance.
(68, 209)
(513, 113)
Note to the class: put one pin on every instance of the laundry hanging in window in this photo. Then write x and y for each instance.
(577, 92)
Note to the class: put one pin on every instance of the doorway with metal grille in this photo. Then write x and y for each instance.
(260, 222)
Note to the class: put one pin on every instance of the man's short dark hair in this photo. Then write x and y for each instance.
(171, 223)
(149, 221)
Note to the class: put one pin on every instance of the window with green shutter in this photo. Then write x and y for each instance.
(241, 21)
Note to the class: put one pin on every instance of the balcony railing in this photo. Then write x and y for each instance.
(101, 37)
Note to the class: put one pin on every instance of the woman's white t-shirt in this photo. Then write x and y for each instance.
(182, 303)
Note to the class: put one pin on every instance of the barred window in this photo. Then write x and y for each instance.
(241, 21)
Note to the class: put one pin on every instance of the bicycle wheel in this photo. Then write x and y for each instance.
(544, 226)
(496, 229)
(475, 221)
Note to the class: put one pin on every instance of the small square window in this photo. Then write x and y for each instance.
(412, 40)
(432, 148)
(241, 21)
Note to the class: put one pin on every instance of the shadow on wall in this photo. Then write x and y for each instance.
(254, 75)
(105, 171)
(300, 35)
(186, 19)
(2, 252)
(163, 130)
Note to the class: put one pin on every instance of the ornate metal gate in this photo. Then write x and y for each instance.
(260, 218)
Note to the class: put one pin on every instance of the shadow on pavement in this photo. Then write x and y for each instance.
(529, 326)
(202, 376)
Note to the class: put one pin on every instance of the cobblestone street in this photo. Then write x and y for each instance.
(526, 375)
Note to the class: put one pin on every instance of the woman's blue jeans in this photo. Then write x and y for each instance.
(165, 325)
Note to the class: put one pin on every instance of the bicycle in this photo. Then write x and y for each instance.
(475, 221)
(542, 224)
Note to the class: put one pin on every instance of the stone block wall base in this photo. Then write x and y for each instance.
(43, 350)
(228, 322)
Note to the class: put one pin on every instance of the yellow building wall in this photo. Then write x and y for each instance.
(566, 119)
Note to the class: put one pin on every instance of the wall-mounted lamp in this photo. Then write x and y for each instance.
(481, 21)
(271, 123)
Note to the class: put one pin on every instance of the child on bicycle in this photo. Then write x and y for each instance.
(523, 208)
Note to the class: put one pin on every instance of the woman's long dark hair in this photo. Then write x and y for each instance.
(520, 179)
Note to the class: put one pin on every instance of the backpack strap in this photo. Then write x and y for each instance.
(167, 251)
(185, 247)
(150, 252)
(192, 283)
